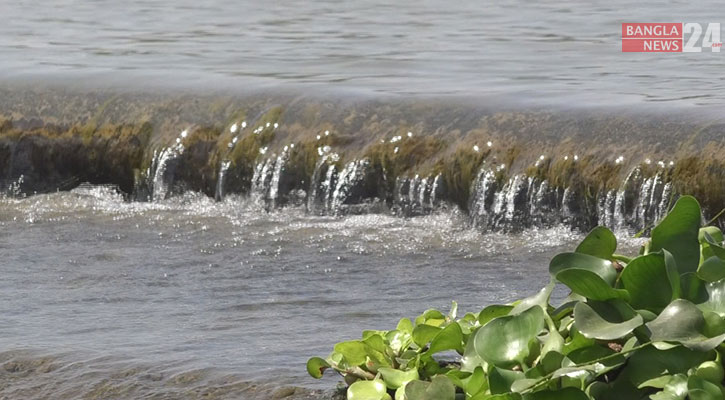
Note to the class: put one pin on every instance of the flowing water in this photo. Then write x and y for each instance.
(165, 297)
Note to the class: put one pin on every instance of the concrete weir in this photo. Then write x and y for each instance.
(508, 167)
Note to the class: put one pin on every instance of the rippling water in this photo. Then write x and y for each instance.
(144, 292)
(552, 51)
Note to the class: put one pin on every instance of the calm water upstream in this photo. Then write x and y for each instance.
(531, 51)
(99, 288)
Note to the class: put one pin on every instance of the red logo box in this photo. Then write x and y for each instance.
(665, 37)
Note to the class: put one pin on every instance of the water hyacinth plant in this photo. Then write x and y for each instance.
(645, 327)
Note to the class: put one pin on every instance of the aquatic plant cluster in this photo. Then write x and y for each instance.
(648, 326)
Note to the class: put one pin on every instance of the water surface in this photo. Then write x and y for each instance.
(192, 285)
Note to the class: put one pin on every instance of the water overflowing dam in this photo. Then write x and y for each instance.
(507, 169)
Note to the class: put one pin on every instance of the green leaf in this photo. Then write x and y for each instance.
(586, 275)
(540, 299)
(649, 362)
(500, 380)
(715, 297)
(354, 351)
(682, 322)
(423, 334)
(648, 282)
(450, 338)
(316, 366)
(568, 393)
(515, 331)
(678, 233)
(368, 390)
(700, 389)
(590, 285)
(439, 388)
(714, 233)
(395, 378)
(493, 311)
(565, 261)
(605, 323)
(404, 325)
(600, 242)
(712, 269)
(674, 389)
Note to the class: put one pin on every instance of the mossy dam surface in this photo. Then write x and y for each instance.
(504, 167)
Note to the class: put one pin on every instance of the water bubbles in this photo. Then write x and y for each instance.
(233, 128)
(489, 143)
(476, 148)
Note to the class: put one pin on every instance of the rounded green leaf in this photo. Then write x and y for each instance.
(316, 366)
(450, 338)
(590, 285)
(678, 233)
(566, 261)
(682, 322)
(700, 389)
(595, 326)
(648, 283)
(439, 388)
(493, 311)
(712, 269)
(423, 334)
(709, 234)
(395, 378)
(600, 242)
(568, 393)
(368, 390)
(504, 341)
(354, 351)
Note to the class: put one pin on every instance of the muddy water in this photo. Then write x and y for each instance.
(190, 296)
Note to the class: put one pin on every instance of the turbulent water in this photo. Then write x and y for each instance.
(185, 296)
(559, 51)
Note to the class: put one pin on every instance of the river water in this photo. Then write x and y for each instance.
(192, 298)
(98, 289)
(552, 52)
